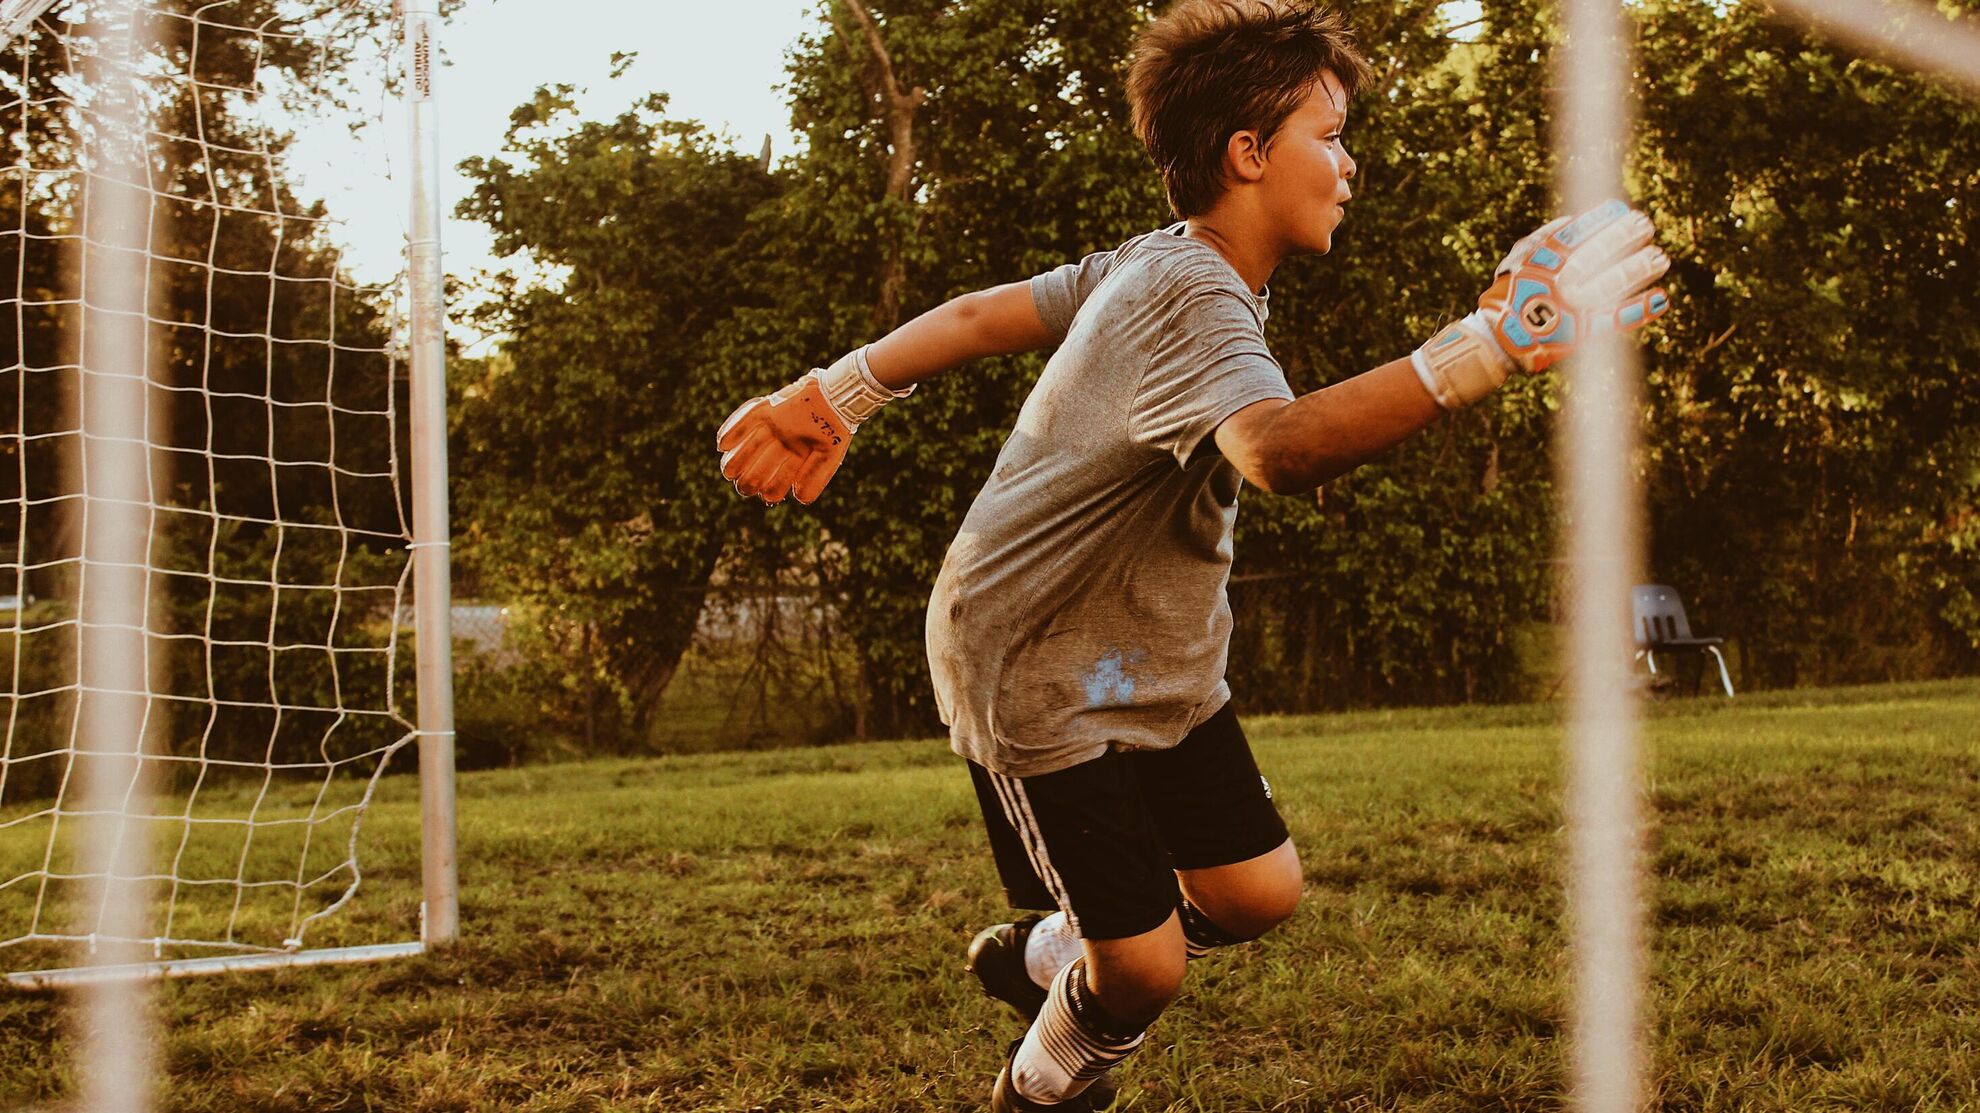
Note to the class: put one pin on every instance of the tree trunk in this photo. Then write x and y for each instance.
(590, 692)
(897, 108)
(668, 641)
(862, 697)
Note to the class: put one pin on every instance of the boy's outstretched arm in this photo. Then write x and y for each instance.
(1000, 321)
(1556, 286)
(1289, 447)
(791, 442)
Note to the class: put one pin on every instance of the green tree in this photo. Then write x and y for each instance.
(1026, 160)
(587, 486)
(1814, 440)
(1824, 311)
(1405, 580)
(1023, 161)
(254, 313)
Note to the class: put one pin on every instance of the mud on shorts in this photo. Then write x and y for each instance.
(1101, 840)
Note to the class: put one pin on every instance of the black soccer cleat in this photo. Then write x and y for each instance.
(1098, 1097)
(996, 957)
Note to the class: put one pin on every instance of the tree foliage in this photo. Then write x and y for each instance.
(587, 492)
(1814, 437)
(1811, 454)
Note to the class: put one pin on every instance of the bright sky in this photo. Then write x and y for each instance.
(719, 61)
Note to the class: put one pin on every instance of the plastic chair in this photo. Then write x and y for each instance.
(1660, 626)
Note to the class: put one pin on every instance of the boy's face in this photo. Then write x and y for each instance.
(1307, 171)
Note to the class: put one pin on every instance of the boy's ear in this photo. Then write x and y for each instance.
(1244, 157)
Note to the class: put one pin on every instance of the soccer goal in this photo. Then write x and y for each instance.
(222, 488)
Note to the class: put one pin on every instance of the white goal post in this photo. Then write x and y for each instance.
(1604, 544)
(222, 469)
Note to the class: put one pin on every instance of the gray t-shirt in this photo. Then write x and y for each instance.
(1082, 605)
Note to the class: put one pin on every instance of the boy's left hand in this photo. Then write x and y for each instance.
(1569, 279)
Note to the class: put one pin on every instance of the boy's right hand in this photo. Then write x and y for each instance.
(1555, 287)
(793, 441)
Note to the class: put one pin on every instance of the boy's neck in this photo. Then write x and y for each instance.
(1253, 261)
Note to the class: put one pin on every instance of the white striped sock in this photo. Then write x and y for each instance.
(1050, 946)
(1060, 1057)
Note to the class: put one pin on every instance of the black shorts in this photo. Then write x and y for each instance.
(1101, 840)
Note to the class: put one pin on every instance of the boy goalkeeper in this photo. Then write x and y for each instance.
(1078, 630)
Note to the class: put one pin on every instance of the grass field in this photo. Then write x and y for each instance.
(783, 931)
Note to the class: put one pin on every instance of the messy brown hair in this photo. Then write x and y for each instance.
(1208, 69)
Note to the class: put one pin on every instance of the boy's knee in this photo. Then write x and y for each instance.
(1138, 995)
(1267, 906)
(1247, 900)
(1136, 978)
(1232, 921)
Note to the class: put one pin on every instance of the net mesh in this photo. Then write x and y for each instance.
(276, 556)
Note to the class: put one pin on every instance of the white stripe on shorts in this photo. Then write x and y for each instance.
(1017, 809)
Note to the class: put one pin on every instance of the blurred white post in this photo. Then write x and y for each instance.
(1914, 34)
(1604, 559)
(431, 589)
(113, 698)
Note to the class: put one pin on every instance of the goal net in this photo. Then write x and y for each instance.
(213, 504)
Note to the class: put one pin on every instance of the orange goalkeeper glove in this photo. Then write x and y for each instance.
(792, 442)
(1555, 287)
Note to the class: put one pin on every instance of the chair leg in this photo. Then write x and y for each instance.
(1724, 676)
(1652, 659)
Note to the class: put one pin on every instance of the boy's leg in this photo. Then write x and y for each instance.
(1226, 905)
(1086, 840)
(1238, 869)
(1016, 962)
(1136, 978)
(1080, 1035)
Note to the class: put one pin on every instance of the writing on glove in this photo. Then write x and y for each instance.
(792, 442)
